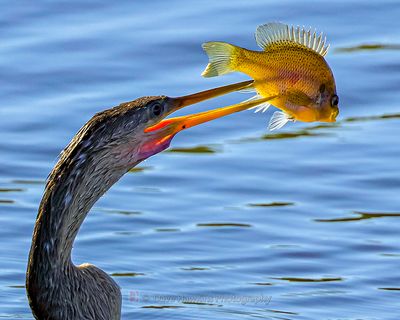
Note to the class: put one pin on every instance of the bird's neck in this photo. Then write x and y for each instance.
(77, 181)
(65, 205)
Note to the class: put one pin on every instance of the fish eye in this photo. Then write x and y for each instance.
(157, 109)
(334, 100)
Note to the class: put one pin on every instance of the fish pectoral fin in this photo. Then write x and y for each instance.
(278, 120)
(220, 55)
(260, 107)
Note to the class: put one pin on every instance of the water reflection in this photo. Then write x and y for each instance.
(123, 212)
(5, 201)
(271, 204)
(282, 312)
(33, 182)
(200, 303)
(127, 274)
(361, 216)
(195, 269)
(140, 169)
(11, 190)
(195, 150)
(373, 118)
(313, 130)
(293, 279)
(162, 307)
(292, 135)
(167, 230)
(245, 225)
(369, 47)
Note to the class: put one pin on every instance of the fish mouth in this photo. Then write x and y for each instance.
(332, 117)
(335, 113)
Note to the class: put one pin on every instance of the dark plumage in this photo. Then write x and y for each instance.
(92, 162)
(103, 150)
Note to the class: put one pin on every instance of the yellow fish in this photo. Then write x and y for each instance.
(291, 67)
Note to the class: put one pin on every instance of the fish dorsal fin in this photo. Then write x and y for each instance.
(275, 33)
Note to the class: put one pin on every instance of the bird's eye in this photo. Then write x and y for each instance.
(334, 101)
(157, 109)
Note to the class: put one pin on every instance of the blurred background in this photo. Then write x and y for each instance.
(307, 216)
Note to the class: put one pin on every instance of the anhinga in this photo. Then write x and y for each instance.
(103, 150)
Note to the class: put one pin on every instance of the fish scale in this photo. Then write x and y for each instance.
(291, 67)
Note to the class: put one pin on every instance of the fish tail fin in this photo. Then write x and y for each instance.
(221, 57)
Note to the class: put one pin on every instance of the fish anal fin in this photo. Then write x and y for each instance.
(278, 120)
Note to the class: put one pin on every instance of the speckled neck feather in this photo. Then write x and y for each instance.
(94, 160)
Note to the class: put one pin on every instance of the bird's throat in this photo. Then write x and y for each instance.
(154, 146)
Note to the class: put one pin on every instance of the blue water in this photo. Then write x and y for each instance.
(233, 222)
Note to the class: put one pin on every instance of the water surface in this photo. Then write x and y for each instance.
(232, 221)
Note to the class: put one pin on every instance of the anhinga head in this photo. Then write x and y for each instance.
(136, 130)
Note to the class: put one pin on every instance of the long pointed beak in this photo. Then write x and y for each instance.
(169, 127)
(175, 104)
(160, 134)
(184, 101)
